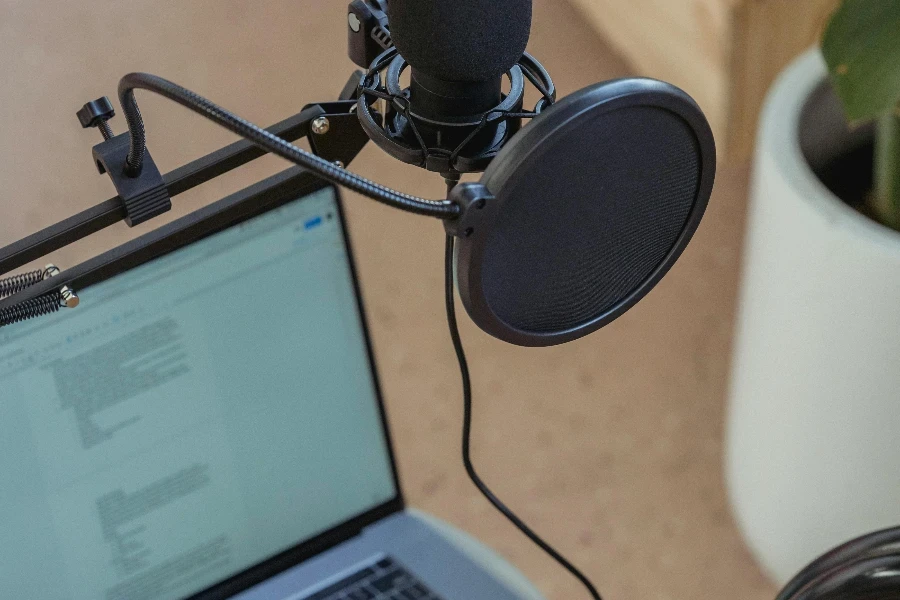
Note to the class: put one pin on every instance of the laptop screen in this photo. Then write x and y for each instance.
(194, 417)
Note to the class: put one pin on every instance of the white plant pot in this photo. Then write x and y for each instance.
(813, 432)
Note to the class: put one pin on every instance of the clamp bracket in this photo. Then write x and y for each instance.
(145, 196)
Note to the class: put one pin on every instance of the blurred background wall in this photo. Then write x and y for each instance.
(610, 446)
(724, 52)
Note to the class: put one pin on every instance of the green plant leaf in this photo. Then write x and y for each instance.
(862, 49)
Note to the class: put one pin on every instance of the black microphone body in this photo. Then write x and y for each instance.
(458, 52)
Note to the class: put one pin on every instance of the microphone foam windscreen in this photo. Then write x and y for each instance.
(461, 40)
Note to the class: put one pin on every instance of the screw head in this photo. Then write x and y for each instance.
(320, 126)
(340, 164)
(354, 21)
(51, 270)
(69, 299)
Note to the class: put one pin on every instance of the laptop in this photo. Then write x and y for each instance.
(208, 424)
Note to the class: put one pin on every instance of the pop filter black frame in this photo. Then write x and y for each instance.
(505, 171)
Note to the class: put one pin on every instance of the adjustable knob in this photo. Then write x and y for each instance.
(96, 114)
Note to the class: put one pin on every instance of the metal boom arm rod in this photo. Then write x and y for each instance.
(180, 180)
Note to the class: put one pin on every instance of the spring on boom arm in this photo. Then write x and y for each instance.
(30, 309)
(17, 283)
(35, 307)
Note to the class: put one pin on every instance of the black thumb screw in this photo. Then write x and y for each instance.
(96, 114)
(105, 130)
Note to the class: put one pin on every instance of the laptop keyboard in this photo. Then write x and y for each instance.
(385, 580)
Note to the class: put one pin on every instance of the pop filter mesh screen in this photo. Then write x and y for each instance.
(588, 218)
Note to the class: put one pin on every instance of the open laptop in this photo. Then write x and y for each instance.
(207, 424)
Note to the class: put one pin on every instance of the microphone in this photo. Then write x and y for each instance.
(454, 116)
(458, 51)
(578, 214)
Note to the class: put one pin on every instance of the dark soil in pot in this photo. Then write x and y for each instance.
(842, 157)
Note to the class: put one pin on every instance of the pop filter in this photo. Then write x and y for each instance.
(583, 212)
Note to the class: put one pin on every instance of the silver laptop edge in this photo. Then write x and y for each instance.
(205, 420)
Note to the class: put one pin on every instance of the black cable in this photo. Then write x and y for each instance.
(442, 209)
(867, 568)
(467, 430)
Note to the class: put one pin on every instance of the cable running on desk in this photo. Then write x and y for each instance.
(450, 300)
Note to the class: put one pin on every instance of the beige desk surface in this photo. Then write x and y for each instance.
(612, 446)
